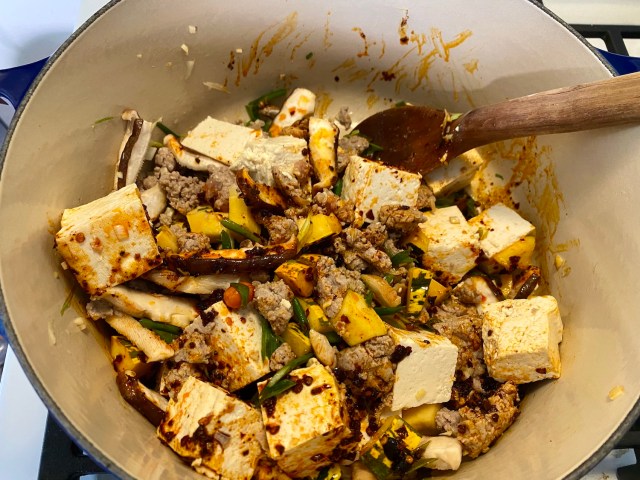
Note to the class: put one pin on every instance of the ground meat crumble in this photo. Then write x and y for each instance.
(273, 301)
(333, 283)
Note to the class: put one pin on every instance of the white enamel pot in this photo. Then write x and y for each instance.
(579, 189)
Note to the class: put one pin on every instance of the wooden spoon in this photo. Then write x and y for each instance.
(420, 138)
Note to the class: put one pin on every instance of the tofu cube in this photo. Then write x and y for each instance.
(262, 155)
(425, 375)
(237, 335)
(306, 423)
(521, 338)
(108, 241)
(216, 433)
(500, 227)
(452, 244)
(454, 175)
(370, 185)
(222, 141)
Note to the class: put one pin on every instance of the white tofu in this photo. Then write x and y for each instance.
(453, 244)
(159, 308)
(144, 339)
(108, 241)
(218, 434)
(303, 427)
(370, 185)
(237, 334)
(426, 375)
(261, 155)
(454, 175)
(222, 141)
(323, 138)
(521, 338)
(501, 227)
(154, 200)
(191, 160)
(300, 104)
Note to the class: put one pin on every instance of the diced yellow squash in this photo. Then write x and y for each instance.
(127, 357)
(383, 293)
(356, 321)
(298, 341)
(318, 321)
(418, 239)
(167, 240)
(376, 460)
(423, 418)
(240, 213)
(320, 227)
(205, 220)
(517, 255)
(299, 277)
(423, 290)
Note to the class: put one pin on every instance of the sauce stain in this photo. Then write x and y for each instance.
(327, 33)
(365, 49)
(258, 53)
(471, 67)
(299, 44)
(323, 101)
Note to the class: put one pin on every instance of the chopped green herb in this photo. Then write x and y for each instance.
(401, 258)
(372, 149)
(396, 321)
(68, 300)
(300, 316)
(420, 463)
(274, 387)
(239, 229)
(243, 290)
(166, 336)
(353, 133)
(309, 55)
(163, 327)
(333, 337)
(389, 278)
(401, 103)
(499, 176)
(254, 106)
(382, 311)
(337, 188)
(369, 297)
(270, 341)
(102, 120)
(166, 130)
(226, 240)
(155, 144)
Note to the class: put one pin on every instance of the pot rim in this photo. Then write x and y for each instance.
(94, 452)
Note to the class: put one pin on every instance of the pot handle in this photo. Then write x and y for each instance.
(621, 63)
(14, 82)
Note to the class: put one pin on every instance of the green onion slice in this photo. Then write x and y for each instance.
(272, 388)
(381, 311)
(243, 290)
(163, 327)
(337, 188)
(300, 316)
(270, 341)
(254, 106)
(226, 240)
(166, 130)
(239, 229)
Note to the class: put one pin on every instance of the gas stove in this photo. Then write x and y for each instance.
(33, 445)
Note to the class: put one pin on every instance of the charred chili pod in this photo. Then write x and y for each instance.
(149, 403)
(527, 283)
(235, 261)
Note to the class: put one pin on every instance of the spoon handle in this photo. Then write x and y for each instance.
(614, 101)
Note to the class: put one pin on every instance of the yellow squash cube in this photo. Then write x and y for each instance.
(205, 220)
(321, 227)
(167, 240)
(318, 321)
(239, 213)
(423, 290)
(127, 357)
(298, 341)
(517, 255)
(356, 321)
(298, 276)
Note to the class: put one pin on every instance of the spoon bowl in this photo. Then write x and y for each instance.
(421, 138)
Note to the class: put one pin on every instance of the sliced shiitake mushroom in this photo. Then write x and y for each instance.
(259, 195)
